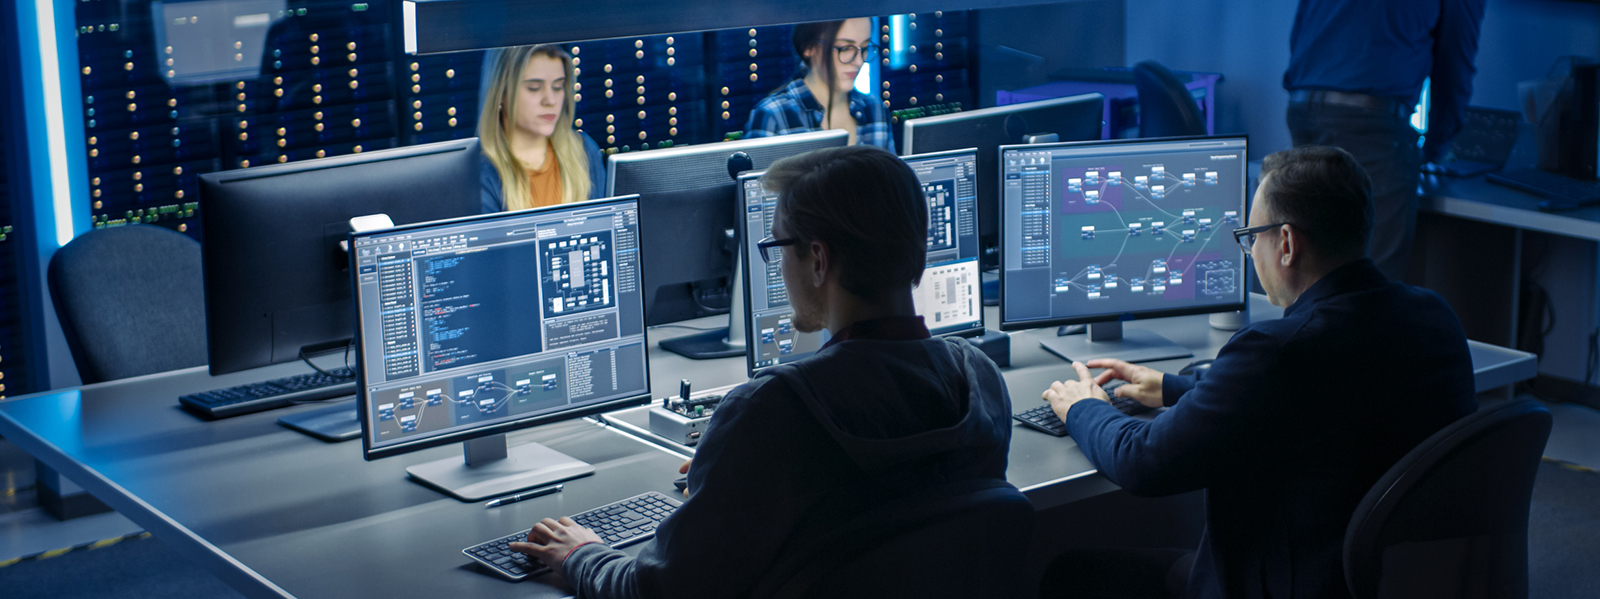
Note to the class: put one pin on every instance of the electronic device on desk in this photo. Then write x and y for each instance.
(1565, 193)
(686, 193)
(277, 279)
(683, 419)
(471, 328)
(1073, 118)
(1102, 232)
(949, 298)
(1483, 144)
(1569, 144)
(1044, 419)
(627, 522)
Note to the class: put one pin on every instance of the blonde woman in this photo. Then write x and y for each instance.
(532, 155)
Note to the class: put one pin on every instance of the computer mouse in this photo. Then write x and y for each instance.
(682, 483)
(1196, 366)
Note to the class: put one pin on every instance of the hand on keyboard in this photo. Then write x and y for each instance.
(1143, 383)
(551, 541)
(684, 470)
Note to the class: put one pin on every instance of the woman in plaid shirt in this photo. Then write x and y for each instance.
(822, 95)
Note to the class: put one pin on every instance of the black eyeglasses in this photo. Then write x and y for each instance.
(767, 245)
(1247, 236)
(848, 53)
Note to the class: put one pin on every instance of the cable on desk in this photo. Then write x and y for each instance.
(348, 346)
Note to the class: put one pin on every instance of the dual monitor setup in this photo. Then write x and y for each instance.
(466, 327)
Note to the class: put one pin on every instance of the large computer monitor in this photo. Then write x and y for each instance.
(471, 328)
(949, 298)
(276, 278)
(686, 192)
(1103, 232)
(1073, 118)
(692, 167)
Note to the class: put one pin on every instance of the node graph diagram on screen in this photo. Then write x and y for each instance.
(1124, 232)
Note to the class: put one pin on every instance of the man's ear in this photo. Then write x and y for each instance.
(1291, 245)
(819, 263)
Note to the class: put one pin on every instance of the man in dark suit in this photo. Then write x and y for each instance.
(1297, 417)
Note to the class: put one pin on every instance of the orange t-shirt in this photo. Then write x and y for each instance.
(544, 184)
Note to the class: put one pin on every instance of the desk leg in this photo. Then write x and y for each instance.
(1516, 298)
(63, 498)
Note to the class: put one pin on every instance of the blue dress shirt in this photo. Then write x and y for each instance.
(1387, 48)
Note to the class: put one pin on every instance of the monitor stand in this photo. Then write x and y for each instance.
(492, 469)
(1110, 340)
(335, 423)
(717, 343)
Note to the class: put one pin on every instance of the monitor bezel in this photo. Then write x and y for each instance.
(1244, 287)
(362, 399)
(983, 316)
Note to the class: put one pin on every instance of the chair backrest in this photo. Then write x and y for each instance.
(1165, 107)
(131, 301)
(1450, 519)
(922, 545)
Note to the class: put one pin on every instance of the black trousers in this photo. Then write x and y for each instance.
(1386, 145)
(1117, 573)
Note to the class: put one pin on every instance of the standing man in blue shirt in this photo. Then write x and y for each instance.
(1356, 70)
(1294, 421)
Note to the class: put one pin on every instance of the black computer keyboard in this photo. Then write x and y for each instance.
(632, 520)
(267, 395)
(1565, 193)
(1044, 419)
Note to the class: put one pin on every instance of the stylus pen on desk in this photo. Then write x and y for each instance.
(523, 496)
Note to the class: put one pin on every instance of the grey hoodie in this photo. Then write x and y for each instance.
(805, 446)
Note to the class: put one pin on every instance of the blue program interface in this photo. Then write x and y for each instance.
(1113, 228)
(472, 323)
(949, 299)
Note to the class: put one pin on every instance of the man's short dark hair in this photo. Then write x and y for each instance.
(866, 204)
(1323, 191)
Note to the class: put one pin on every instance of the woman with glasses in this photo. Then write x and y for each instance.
(822, 95)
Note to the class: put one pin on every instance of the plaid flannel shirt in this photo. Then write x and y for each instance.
(794, 110)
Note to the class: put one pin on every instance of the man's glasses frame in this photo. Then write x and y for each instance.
(1246, 236)
(769, 243)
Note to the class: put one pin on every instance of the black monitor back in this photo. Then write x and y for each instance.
(688, 252)
(690, 167)
(1074, 118)
(276, 279)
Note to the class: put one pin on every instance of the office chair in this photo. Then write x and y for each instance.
(1166, 109)
(131, 301)
(1450, 519)
(917, 546)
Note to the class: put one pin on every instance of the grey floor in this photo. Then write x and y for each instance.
(26, 530)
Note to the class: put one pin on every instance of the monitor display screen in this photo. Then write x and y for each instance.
(1103, 231)
(478, 326)
(950, 298)
(770, 335)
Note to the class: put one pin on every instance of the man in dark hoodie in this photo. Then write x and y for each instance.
(1297, 417)
(880, 412)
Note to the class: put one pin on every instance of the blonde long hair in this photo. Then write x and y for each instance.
(499, 116)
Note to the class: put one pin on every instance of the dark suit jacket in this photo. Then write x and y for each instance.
(1291, 426)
